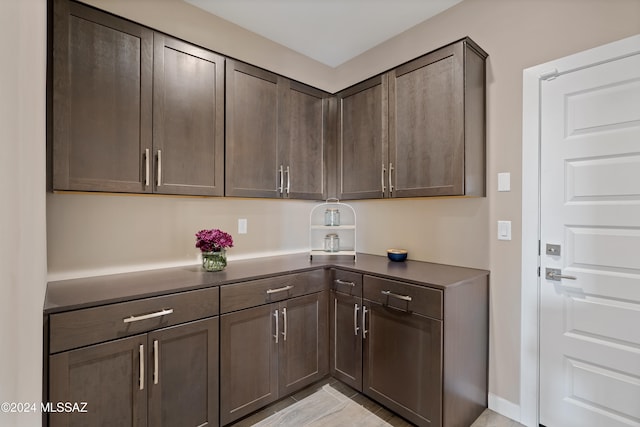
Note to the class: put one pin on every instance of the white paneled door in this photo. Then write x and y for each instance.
(590, 246)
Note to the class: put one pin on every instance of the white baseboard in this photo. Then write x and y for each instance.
(504, 407)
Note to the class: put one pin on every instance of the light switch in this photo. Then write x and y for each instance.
(242, 226)
(504, 230)
(504, 181)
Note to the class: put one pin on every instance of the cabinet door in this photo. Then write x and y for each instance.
(248, 361)
(303, 122)
(346, 339)
(304, 342)
(252, 168)
(426, 125)
(183, 375)
(102, 88)
(188, 119)
(363, 140)
(403, 363)
(109, 377)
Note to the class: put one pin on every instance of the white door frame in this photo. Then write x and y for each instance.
(530, 298)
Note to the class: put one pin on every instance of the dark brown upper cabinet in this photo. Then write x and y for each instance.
(188, 119)
(275, 145)
(133, 110)
(363, 140)
(418, 130)
(102, 101)
(303, 135)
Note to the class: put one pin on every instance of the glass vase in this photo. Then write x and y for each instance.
(215, 260)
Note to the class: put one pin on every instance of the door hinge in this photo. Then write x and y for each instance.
(538, 271)
(539, 248)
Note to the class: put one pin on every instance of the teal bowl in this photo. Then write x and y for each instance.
(397, 254)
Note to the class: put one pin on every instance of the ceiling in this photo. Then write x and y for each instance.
(329, 31)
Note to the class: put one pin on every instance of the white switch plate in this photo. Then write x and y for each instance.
(504, 230)
(242, 226)
(504, 181)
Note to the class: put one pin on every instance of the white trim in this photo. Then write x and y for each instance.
(504, 407)
(532, 77)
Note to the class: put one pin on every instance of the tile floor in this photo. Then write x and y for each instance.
(330, 403)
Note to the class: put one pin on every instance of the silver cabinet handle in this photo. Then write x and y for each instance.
(344, 282)
(288, 172)
(282, 289)
(162, 312)
(556, 275)
(284, 323)
(275, 314)
(391, 294)
(159, 168)
(355, 319)
(155, 361)
(281, 175)
(382, 179)
(146, 167)
(364, 322)
(390, 181)
(141, 349)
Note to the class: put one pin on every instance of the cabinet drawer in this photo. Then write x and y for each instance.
(346, 282)
(94, 325)
(242, 295)
(403, 296)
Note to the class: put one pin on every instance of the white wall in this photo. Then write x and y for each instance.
(22, 211)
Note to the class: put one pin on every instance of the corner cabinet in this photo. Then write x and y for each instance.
(346, 311)
(151, 362)
(276, 132)
(363, 142)
(422, 125)
(420, 351)
(134, 110)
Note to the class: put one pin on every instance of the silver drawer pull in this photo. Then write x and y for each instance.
(141, 379)
(156, 349)
(364, 322)
(344, 282)
(283, 289)
(162, 312)
(159, 183)
(284, 323)
(275, 314)
(146, 167)
(391, 294)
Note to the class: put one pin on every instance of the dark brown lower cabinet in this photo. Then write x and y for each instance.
(167, 377)
(183, 388)
(419, 351)
(346, 338)
(403, 363)
(270, 351)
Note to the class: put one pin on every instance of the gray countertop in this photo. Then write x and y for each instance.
(94, 291)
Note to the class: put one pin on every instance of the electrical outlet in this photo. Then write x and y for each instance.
(242, 226)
